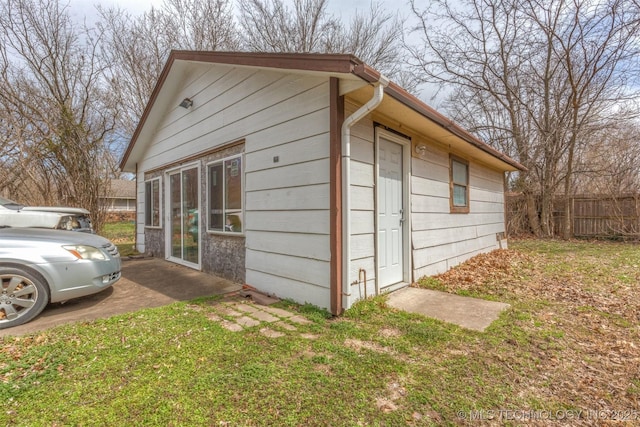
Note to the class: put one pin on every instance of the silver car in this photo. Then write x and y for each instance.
(14, 214)
(40, 266)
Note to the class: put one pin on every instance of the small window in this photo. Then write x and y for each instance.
(225, 195)
(459, 185)
(152, 203)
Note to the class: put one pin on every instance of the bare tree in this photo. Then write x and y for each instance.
(199, 24)
(610, 165)
(136, 53)
(375, 36)
(534, 78)
(271, 26)
(56, 115)
(137, 47)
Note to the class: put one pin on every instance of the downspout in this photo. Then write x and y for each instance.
(135, 240)
(372, 104)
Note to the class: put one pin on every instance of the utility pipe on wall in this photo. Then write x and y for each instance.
(372, 104)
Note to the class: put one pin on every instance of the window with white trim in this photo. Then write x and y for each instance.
(224, 181)
(152, 203)
(459, 185)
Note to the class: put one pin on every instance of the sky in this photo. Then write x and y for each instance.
(338, 7)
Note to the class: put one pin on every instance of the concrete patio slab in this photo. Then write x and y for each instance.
(470, 313)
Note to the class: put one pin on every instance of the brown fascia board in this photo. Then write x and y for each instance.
(332, 63)
(329, 63)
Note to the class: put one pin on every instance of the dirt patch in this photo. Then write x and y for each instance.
(394, 393)
(390, 333)
(359, 345)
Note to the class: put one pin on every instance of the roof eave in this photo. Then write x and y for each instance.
(414, 103)
(329, 63)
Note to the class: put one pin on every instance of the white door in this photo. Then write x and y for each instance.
(390, 213)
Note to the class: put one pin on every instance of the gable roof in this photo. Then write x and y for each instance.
(346, 67)
(121, 189)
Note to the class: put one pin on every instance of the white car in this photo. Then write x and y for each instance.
(41, 266)
(13, 214)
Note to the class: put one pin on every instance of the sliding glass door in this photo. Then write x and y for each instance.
(184, 206)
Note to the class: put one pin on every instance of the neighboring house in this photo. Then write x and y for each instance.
(308, 176)
(121, 196)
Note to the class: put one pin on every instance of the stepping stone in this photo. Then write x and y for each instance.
(264, 316)
(247, 321)
(309, 336)
(231, 326)
(214, 317)
(286, 326)
(228, 311)
(300, 320)
(278, 312)
(246, 308)
(271, 333)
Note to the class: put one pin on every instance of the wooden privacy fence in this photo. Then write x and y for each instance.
(591, 216)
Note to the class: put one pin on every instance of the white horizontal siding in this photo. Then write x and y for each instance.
(305, 271)
(294, 175)
(282, 286)
(287, 198)
(255, 103)
(362, 246)
(362, 198)
(436, 221)
(441, 239)
(300, 245)
(284, 120)
(311, 197)
(430, 187)
(446, 252)
(362, 222)
(288, 221)
(288, 153)
(362, 174)
(461, 253)
(362, 193)
(429, 204)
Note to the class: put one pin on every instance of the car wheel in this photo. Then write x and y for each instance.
(23, 295)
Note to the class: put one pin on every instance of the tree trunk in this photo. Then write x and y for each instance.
(532, 214)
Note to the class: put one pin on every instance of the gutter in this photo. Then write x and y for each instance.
(372, 104)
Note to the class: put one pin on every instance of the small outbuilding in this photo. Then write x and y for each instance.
(309, 177)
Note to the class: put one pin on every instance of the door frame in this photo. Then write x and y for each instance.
(167, 210)
(405, 143)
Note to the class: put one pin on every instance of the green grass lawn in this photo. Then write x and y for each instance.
(569, 343)
(122, 234)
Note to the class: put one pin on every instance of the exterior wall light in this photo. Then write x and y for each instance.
(186, 103)
(421, 149)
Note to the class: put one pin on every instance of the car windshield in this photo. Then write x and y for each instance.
(10, 204)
